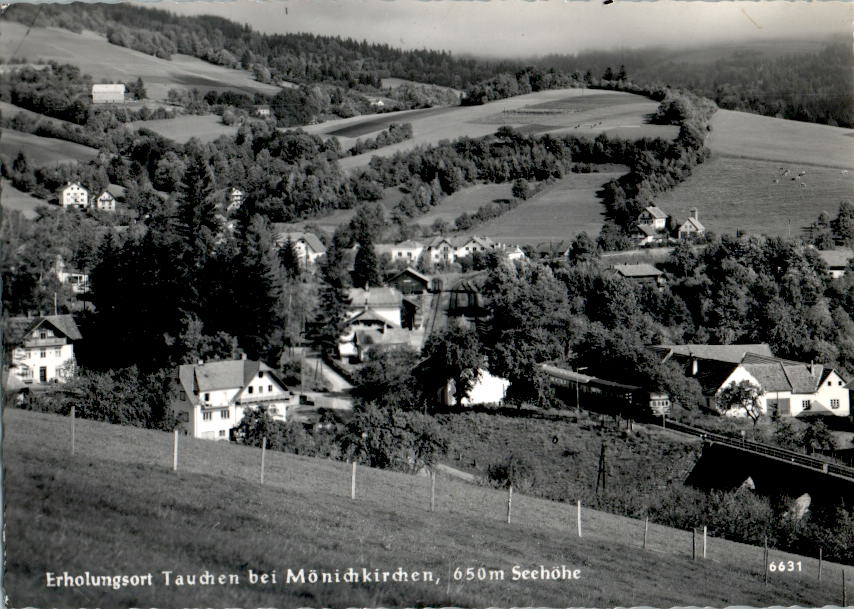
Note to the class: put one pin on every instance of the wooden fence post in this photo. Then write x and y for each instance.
(844, 595)
(432, 490)
(73, 413)
(693, 543)
(704, 542)
(353, 482)
(819, 563)
(645, 531)
(263, 450)
(578, 516)
(175, 452)
(509, 502)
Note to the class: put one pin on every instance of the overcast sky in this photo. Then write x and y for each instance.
(523, 27)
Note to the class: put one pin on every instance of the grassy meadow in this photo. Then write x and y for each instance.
(112, 63)
(206, 128)
(43, 150)
(466, 200)
(559, 211)
(115, 507)
(576, 111)
(752, 196)
(13, 199)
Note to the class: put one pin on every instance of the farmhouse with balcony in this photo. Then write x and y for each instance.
(691, 228)
(790, 388)
(653, 216)
(108, 93)
(41, 349)
(210, 398)
(307, 245)
(73, 194)
(837, 261)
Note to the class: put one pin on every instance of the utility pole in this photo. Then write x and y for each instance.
(602, 475)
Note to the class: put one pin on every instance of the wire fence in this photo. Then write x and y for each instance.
(435, 491)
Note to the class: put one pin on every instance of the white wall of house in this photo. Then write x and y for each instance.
(409, 254)
(74, 195)
(738, 375)
(105, 202)
(40, 364)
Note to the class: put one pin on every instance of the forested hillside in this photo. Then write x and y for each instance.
(301, 58)
(812, 84)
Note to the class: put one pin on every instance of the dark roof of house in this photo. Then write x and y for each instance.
(723, 353)
(17, 328)
(283, 234)
(637, 270)
(645, 229)
(412, 272)
(712, 374)
(226, 374)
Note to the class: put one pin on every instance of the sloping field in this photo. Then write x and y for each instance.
(43, 150)
(116, 508)
(753, 196)
(206, 127)
(751, 136)
(560, 211)
(578, 111)
(12, 198)
(466, 200)
(10, 110)
(104, 61)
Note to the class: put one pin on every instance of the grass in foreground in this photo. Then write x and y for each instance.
(116, 507)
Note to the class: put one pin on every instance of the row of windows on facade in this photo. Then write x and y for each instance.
(248, 390)
(43, 354)
(223, 414)
(807, 404)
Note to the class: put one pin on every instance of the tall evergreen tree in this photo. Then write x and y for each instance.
(259, 294)
(366, 268)
(289, 258)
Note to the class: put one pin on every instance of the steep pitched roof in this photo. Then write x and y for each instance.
(656, 212)
(410, 271)
(698, 226)
(17, 328)
(225, 374)
(409, 244)
(283, 233)
(637, 270)
(645, 229)
(722, 353)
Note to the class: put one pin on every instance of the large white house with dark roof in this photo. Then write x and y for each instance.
(790, 388)
(308, 246)
(209, 398)
(40, 349)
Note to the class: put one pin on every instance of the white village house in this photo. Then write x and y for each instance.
(41, 349)
(209, 398)
(790, 389)
(105, 202)
(309, 248)
(113, 93)
(691, 228)
(74, 194)
(836, 260)
(653, 216)
(234, 198)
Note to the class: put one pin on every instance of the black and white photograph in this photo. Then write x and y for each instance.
(427, 303)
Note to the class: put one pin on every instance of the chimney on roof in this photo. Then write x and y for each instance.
(695, 366)
(243, 355)
(812, 367)
(694, 213)
(201, 362)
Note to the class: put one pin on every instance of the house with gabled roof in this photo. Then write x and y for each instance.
(653, 216)
(73, 194)
(308, 246)
(640, 273)
(837, 261)
(409, 281)
(789, 388)
(41, 349)
(386, 303)
(210, 398)
(691, 228)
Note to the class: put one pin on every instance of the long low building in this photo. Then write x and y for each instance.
(579, 389)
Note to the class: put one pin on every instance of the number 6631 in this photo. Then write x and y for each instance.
(784, 566)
